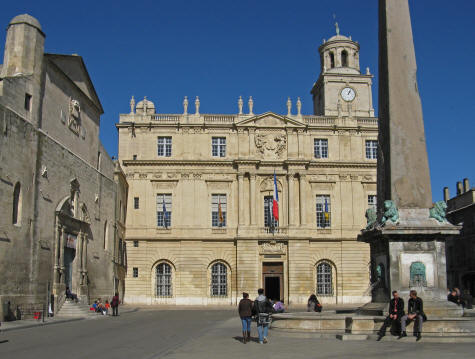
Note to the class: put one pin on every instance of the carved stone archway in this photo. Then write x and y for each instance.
(72, 232)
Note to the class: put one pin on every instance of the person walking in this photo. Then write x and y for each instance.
(245, 313)
(263, 309)
(415, 310)
(313, 305)
(396, 312)
(115, 305)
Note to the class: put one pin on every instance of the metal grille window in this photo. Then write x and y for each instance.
(218, 210)
(372, 201)
(164, 280)
(136, 203)
(218, 147)
(164, 218)
(324, 279)
(323, 210)
(371, 149)
(135, 272)
(320, 148)
(269, 220)
(219, 286)
(165, 146)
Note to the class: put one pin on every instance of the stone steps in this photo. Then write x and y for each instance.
(72, 309)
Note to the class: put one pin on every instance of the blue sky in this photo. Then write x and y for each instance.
(220, 50)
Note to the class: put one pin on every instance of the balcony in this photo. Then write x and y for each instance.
(273, 231)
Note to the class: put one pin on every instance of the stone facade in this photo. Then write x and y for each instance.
(461, 250)
(59, 190)
(215, 174)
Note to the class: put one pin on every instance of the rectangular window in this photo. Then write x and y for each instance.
(218, 210)
(320, 148)
(372, 201)
(323, 210)
(136, 203)
(134, 157)
(269, 220)
(164, 210)
(136, 243)
(165, 146)
(218, 146)
(27, 102)
(371, 149)
(135, 273)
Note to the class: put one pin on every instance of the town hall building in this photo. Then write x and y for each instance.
(199, 223)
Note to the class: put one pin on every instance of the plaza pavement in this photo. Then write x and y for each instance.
(203, 333)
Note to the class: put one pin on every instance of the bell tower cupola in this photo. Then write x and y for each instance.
(341, 89)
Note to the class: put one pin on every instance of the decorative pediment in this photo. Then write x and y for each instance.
(270, 120)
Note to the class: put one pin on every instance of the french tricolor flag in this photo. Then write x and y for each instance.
(275, 202)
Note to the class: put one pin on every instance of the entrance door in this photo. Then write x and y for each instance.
(69, 255)
(273, 280)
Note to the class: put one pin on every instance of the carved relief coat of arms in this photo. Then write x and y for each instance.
(271, 144)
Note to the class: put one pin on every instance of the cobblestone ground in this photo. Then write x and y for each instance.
(176, 334)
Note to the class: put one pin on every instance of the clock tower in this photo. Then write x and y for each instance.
(341, 88)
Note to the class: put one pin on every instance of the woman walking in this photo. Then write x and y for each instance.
(245, 313)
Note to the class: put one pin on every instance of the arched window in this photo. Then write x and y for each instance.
(344, 58)
(164, 280)
(324, 279)
(332, 60)
(219, 286)
(106, 234)
(16, 213)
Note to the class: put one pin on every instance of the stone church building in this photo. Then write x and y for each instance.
(199, 222)
(63, 199)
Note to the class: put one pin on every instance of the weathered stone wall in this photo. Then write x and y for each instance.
(18, 144)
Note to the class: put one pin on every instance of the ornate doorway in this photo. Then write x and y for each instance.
(273, 280)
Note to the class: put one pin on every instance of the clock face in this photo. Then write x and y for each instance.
(348, 94)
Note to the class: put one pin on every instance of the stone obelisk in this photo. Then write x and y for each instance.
(403, 169)
(407, 235)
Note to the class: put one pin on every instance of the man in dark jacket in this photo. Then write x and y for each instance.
(263, 309)
(396, 312)
(415, 311)
(245, 313)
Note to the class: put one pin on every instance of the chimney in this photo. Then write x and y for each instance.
(466, 185)
(459, 188)
(446, 194)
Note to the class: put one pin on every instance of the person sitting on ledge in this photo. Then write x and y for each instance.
(313, 305)
(415, 310)
(454, 298)
(396, 311)
(71, 295)
(279, 306)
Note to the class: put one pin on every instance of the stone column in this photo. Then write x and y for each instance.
(302, 199)
(252, 199)
(57, 251)
(301, 136)
(79, 252)
(84, 259)
(291, 199)
(241, 198)
(61, 254)
(285, 203)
